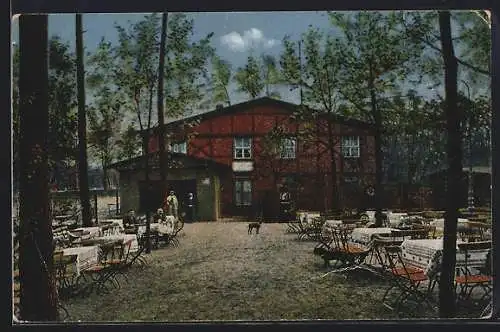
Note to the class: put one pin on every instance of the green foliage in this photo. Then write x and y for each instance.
(318, 74)
(186, 63)
(105, 115)
(62, 102)
(136, 66)
(249, 78)
(258, 77)
(376, 57)
(472, 41)
(220, 80)
(128, 144)
(62, 107)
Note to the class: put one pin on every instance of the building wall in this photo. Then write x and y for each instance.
(207, 205)
(213, 139)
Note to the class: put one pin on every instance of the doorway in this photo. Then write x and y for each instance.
(181, 189)
(150, 198)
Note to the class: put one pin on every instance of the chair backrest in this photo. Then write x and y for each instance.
(379, 244)
(395, 259)
(106, 252)
(127, 245)
(118, 251)
(468, 246)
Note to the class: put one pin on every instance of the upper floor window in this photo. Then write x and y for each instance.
(288, 148)
(180, 147)
(350, 146)
(242, 148)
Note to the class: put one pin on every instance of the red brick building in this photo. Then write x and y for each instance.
(239, 137)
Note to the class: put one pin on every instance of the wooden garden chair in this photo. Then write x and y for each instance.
(66, 279)
(102, 273)
(118, 262)
(351, 256)
(379, 242)
(406, 279)
(472, 278)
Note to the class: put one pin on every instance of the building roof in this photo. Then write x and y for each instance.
(176, 161)
(265, 101)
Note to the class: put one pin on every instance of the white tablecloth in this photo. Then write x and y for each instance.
(116, 226)
(427, 253)
(114, 221)
(365, 235)
(94, 232)
(307, 216)
(160, 228)
(86, 257)
(134, 246)
(333, 223)
(395, 218)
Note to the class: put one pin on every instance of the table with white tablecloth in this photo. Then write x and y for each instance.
(307, 216)
(426, 254)
(88, 232)
(364, 236)
(134, 246)
(85, 258)
(160, 228)
(111, 226)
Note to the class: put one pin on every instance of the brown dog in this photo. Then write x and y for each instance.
(253, 225)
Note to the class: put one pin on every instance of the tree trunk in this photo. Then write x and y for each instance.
(82, 127)
(38, 293)
(333, 166)
(160, 101)
(379, 192)
(146, 170)
(454, 152)
(105, 180)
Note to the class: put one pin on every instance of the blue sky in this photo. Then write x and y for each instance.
(234, 33)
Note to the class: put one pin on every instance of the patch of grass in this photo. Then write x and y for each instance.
(219, 272)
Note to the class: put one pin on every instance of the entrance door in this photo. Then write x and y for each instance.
(182, 188)
(150, 198)
(270, 205)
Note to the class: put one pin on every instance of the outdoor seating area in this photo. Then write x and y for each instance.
(96, 259)
(407, 254)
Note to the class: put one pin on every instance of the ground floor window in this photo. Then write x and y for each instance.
(243, 192)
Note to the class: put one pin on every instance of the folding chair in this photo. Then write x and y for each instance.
(407, 279)
(473, 277)
(66, 280)
(351, 256)
(119, 259)
(102, 273)
(379, 242)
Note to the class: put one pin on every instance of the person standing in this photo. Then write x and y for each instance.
(171, 205)
(190, 207)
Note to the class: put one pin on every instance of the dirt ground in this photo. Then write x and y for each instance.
(219, 272)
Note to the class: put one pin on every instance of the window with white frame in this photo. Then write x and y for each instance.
(242, 148)
(180, 147)
(243, 192)
(350, 146)
(288, 148)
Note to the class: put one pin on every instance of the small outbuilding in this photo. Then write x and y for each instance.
(185, 174)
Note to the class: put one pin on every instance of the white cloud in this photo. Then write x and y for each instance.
(253, 37)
